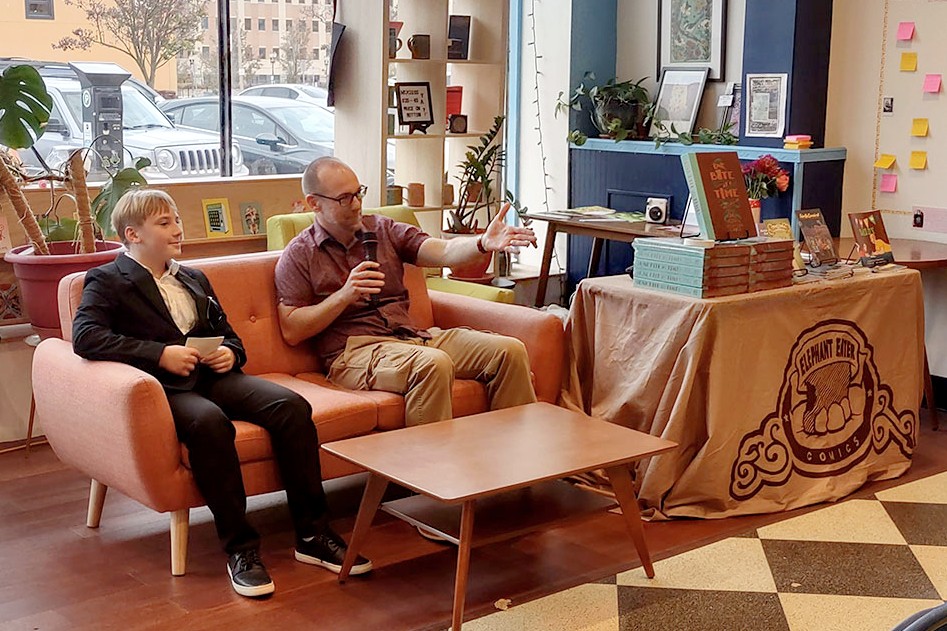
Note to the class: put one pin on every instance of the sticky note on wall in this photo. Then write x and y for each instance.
(919, 127)
(884, 161)
(908, 62)
(932, 83)
(905, 31)
(918, 160)
(889, 183)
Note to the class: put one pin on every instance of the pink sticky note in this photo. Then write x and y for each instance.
(889, 183)
(932, 83)
(905, 31)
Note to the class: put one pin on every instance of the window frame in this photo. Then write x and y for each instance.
(50, 4)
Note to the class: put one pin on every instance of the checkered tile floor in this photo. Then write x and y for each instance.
(862, 564)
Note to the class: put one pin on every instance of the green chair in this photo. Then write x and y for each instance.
(280, 230)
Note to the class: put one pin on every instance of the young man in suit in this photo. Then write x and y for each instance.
(139, 310)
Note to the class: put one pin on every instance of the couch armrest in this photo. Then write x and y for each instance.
(541, 332)
(474, 290)
(112, 422)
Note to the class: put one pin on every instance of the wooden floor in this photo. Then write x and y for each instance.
(57, 574)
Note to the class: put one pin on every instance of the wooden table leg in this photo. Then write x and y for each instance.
(595, 257)
(625, 493)
(548, 249)
(929, 393)
(29, 429)
(374, 491)
(463, 564)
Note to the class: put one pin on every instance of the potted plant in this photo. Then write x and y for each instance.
(764, 178)
(57, 246)
(617, 109)
(479, 169)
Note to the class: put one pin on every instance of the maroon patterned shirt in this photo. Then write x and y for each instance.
(315, 265)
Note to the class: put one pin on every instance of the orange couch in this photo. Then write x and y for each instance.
(112, 421)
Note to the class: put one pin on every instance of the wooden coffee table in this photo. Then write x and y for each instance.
(490, 462)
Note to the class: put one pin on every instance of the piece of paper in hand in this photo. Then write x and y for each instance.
(204, 345)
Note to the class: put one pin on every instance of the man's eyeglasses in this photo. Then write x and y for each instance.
(346, 199)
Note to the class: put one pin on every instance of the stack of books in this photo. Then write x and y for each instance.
(692, 267)
(797, 141)
(770, 263)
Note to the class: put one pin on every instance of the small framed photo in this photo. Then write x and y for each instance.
(766, 105)
(692, 33)
(414, 105)
(678, 99)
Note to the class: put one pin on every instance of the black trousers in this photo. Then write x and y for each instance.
(203, 419)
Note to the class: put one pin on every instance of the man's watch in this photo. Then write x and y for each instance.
(480, 247)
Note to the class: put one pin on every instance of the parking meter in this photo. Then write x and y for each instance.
(102, 113)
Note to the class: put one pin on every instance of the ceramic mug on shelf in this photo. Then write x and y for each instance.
(420, 46)
(415, 194)
(394, 44)
(394, 196)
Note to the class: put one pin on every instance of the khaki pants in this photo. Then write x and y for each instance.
(424, 370)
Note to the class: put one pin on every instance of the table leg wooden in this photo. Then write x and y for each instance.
(625, 493)
(463, 564)
(595, 257)
(29, 429)
(374, 491)
(929, 393)
(548, 248)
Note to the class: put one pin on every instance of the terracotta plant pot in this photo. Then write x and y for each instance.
(38, 277)
(475, 272)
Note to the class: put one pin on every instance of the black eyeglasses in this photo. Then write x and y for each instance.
(346, 199)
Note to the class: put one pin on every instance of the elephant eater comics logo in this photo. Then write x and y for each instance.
(831, 412)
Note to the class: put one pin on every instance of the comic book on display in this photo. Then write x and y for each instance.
(871, 238)
(716, 184)
(817, 236)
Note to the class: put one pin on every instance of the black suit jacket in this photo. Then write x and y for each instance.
(123, 318)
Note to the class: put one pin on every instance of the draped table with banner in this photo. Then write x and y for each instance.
(778, 399)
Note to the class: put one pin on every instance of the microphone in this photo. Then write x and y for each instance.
(370, 244)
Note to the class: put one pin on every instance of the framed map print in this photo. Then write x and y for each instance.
(692, 33)
(414, 105)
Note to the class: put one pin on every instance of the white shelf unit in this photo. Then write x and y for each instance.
(364, 72)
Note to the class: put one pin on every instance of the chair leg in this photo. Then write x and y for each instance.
(179, 526)
(29, 429)
(96, 502)
(929, 393)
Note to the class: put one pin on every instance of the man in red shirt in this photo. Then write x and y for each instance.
(357, 310)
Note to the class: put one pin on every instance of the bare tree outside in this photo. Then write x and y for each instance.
(295, 56)
(151, 32)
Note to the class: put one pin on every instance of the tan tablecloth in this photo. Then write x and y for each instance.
(777, 399)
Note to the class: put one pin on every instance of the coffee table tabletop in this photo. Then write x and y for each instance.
(479, 460)
(483, 454)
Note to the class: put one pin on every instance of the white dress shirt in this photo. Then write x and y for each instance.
(176, 296)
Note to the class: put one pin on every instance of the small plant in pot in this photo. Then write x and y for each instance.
(57, 247)
(479, 169)
(617, 109)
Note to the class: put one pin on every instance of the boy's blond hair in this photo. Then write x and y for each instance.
(136, 206)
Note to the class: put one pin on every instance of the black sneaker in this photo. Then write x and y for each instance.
(247, 574)
(327, 549)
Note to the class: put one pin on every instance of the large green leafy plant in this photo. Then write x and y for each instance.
(25, 107)
(479, 168)
(616, 108)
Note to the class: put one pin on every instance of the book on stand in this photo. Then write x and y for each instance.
(871, 238)
(716, 184)
(817, 237)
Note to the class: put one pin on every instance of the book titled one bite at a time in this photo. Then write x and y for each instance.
(871, 238)
(716, 184)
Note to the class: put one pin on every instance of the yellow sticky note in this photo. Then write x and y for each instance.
(918, 159)
(908, 62)
(919, 127)
(884, 161)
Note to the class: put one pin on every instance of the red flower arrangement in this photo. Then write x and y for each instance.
(765, 178)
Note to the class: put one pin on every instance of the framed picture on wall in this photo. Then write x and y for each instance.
(678, 100)
(766, 105)
(692, 33)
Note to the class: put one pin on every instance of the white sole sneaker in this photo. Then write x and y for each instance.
(332, 567)
(251, 592)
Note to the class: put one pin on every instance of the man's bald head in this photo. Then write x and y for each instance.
(312, 178)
